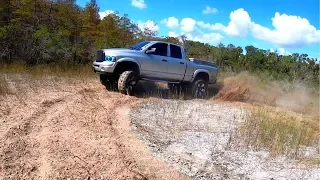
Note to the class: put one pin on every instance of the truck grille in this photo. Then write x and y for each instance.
(100, 56)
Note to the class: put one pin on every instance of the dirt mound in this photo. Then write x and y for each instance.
(247, 88)
(234, 89)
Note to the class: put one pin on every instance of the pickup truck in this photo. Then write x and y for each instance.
(120, 69)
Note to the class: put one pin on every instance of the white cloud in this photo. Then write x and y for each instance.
(187, 24)
(171, 22)
(281, 51)
(289, 31)
(197, 35)
(210, 10)
(213, 27)
(173, 34)
(240, 23)
(139, 4)
(211, 38)
(105, 13)
(151, 25)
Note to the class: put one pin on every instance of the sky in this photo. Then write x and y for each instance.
(286, 26)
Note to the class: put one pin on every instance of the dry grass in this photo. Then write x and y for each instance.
(18, 78)
(279, 131)
(4, 86)
(48, 70)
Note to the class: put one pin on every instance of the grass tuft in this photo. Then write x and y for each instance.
(280, 132)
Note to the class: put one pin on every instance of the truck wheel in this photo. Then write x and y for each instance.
(200, 89)
(127, 82)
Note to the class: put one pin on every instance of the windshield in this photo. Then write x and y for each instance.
(139, 46)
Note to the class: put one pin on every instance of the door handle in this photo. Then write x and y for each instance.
(164, 60)
(181, 62)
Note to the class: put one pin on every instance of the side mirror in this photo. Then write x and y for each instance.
(150, 51)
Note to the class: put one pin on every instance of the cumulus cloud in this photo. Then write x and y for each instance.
(187, 24)
(151, 25)
(139, 4)
(240, 23)
(281, 51)
(210, 10)
(213, 27)
(105, 13)
(171, 22)
(198, 35)
(173, 34)
(211, 38)
(288, 31)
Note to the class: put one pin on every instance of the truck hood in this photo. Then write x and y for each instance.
(116, 50)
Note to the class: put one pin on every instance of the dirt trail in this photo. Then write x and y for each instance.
(70, 130)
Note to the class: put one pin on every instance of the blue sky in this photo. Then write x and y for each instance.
(294, 28)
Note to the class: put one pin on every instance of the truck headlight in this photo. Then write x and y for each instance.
(110, 58)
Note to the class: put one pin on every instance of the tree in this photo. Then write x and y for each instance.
(60, 32)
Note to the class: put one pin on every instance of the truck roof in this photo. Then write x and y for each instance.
(166, 42)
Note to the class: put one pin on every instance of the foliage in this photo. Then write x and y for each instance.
(51, 32)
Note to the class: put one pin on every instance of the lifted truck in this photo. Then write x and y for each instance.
(121, 68)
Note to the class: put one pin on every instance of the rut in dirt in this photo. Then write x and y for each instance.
(81, 134)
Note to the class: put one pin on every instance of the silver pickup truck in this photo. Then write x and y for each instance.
(121, 68)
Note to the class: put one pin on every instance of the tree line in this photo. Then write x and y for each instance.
(61, 32)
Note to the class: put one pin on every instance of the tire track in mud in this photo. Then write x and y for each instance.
(85, 135)
(17, 149)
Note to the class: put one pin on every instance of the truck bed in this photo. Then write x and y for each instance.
(203, 62)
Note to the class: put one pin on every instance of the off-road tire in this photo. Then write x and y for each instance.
(125, 80)
(199, 89)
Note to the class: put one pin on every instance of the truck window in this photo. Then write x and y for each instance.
(175, 51)
(161, 49)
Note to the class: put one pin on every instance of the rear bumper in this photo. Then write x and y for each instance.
(104, 67)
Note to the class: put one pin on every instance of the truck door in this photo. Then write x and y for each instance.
(155, 66)
(177, 64)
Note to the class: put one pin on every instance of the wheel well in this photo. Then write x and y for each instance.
(202, 75)
(126, 66)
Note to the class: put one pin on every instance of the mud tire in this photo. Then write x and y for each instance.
(127, 82)
(199, 89)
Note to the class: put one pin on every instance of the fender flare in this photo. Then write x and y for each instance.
(129, 60)
(132, 60)
(199, 71)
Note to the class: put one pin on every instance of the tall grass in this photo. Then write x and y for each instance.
(61, 70)
(279, 131)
